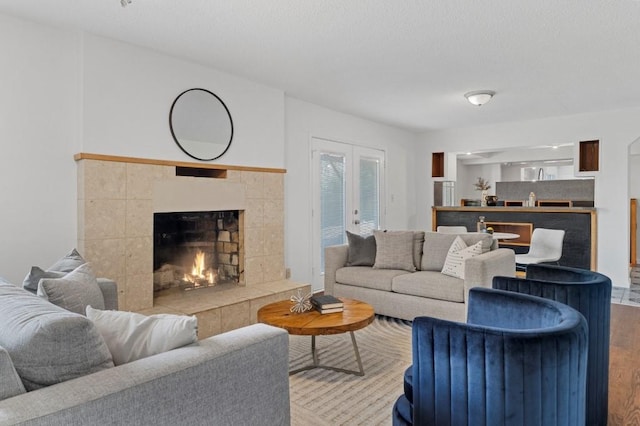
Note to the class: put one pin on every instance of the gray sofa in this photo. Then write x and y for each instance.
(239, 377)
(426, 291)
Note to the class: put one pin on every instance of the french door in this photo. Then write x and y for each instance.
(348, 183)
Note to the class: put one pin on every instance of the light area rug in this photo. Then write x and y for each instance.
(322, 397)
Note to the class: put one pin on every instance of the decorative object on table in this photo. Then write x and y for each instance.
(327, 304)
(490, 230)
(483, 185)
(481, 226)
(532, 199)
(491, 200)
(301, 303)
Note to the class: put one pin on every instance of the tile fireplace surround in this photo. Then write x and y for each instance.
(117, 197)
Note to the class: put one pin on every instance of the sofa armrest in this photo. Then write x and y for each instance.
(240, 377)
(335, 257)
(109, 290)
(480, 270)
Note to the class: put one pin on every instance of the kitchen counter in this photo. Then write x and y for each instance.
(579, 224)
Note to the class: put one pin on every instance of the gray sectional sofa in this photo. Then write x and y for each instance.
(239, 377)
(405, 293)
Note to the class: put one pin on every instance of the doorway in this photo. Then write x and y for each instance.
(348, 193)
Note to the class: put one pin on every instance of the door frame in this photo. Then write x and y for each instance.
(337, 146)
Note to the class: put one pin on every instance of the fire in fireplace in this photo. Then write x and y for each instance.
(197, 249)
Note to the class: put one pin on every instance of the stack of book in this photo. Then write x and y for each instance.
(327, 304)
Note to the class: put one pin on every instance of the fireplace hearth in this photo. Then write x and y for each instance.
(194, 250)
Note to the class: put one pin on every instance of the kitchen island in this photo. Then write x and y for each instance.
(579, 224)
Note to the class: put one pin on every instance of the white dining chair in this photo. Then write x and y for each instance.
(452, 229)
(546, 246)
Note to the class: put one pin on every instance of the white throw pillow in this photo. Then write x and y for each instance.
(131, 336)
(457, 255)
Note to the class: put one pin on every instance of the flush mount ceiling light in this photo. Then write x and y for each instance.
(479, 97)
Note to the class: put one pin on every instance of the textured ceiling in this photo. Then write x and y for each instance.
(402, 62)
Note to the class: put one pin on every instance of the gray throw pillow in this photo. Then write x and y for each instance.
(394, 250)
(73, 292)
(68, 263)
(362, 250)
(35, 275)
(46, 343)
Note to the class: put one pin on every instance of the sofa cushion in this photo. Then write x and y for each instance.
(364, 276)
(430, 284)
(131, 336)
(48, 344)
(10, 383)
(437, 244)
(362, 250)
(68, 263)
(457, 256)
(34, 276)
(394, 250)
(73, 292)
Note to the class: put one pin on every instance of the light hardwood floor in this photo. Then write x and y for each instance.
(624, 366)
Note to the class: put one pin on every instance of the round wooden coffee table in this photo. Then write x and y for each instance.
(356, 315)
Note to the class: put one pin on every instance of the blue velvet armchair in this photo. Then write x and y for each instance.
(590, 293)
(519, 360)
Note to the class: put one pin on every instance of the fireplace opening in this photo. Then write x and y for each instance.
(194, 250)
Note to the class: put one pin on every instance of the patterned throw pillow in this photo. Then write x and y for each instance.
(394, 250)
(457, 255)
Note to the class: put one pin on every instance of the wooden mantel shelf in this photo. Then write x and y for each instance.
(102, 157)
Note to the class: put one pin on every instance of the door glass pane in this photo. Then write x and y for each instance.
(332, 201)
(369, 195)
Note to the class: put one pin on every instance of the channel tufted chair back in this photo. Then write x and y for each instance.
(590, 293)
(519, 360)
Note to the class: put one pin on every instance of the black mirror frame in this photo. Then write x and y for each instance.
(175, 137)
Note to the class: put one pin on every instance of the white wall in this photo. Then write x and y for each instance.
(39, 133)
(615, 130)
(468, 176)
(128, 92)
(305, 120)
(65, 92)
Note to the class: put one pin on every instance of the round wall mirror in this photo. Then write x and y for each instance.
(201, 124)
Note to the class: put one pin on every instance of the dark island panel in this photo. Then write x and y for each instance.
(579, 247)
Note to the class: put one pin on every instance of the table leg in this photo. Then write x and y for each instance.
(316, 361)
(314, 351)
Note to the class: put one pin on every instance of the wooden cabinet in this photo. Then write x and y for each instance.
(589, 156)
(437, 164)
(554, 203)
